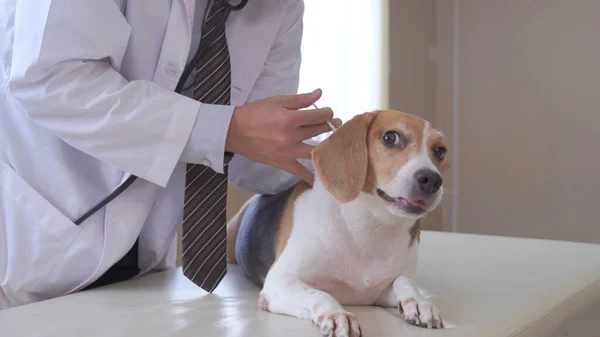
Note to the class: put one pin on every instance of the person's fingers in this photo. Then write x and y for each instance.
(295, 168)
(311, 117)
(299, 101)
(337, 122)
(302, 151)
(306, 132)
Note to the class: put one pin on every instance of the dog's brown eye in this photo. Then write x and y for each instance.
(439, 152)
(392, 138)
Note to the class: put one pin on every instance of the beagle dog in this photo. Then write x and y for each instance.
(352, 237)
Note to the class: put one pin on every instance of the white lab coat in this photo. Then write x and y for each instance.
(72, 129)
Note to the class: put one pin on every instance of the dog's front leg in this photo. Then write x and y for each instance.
(290, 296)
(405, 296)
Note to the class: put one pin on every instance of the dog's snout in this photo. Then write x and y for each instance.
(428, 180)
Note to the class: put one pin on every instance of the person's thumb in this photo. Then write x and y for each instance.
(301, 101)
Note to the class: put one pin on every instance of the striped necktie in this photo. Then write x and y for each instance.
(204, 233)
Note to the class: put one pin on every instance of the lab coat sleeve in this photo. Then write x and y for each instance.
(206, 144)
(280, 76)
(65, 75)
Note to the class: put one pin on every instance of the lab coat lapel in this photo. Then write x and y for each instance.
(250, 34)
(176, 45)
(189, 6)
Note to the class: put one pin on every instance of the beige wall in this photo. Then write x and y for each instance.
(411, 67)
(517, 86)
(235, 199)
(411, 73)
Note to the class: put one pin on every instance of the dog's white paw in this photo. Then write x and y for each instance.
(423, 314)
(338, 324)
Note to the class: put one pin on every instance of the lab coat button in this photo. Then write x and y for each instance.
(172, 69)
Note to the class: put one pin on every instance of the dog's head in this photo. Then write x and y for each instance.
(394, 156)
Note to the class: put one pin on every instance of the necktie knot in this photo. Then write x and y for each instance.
(216, 14)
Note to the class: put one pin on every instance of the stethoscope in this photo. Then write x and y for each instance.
(204, 43)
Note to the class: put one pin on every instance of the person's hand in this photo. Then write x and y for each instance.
(271, 131)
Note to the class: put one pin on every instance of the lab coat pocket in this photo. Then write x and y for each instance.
(35, 234)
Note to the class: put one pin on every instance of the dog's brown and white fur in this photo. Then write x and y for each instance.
(351, 238)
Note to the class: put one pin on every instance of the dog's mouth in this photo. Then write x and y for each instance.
(409, 206)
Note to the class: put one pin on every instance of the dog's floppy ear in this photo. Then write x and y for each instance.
(341, 160)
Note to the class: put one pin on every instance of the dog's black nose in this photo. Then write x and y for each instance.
(429, 181)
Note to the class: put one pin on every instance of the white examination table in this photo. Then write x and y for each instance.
(484, 286)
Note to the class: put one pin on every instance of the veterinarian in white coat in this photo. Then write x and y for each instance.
(86, 98)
